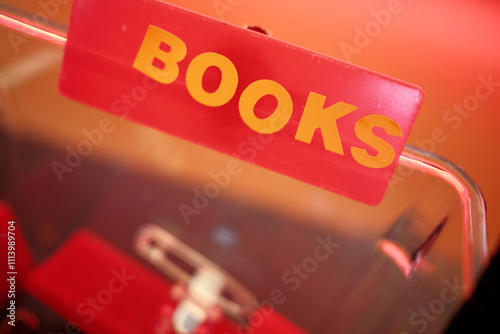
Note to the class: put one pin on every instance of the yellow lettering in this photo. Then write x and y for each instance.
(228, 84)
(314, 117)
(364, 131)
(253, 93)
(150, 50)
(159, 57)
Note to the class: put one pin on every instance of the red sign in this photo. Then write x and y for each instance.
(291, 110)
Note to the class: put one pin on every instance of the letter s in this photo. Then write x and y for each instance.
(364, 132)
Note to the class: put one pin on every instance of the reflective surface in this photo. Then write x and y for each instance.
(343, 267)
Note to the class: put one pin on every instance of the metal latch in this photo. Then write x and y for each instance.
(204, 291)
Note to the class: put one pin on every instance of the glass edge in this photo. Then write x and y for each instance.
(476, 252)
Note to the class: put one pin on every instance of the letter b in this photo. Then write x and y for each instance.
(151, 50)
